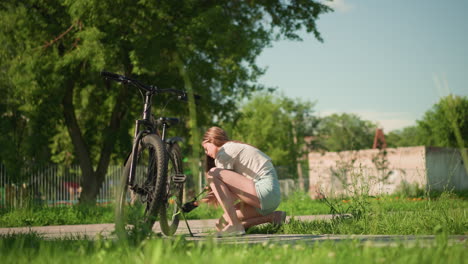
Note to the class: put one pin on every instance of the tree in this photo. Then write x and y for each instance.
(12, 129)
(276, 125)
(446, 124)
(340, 132)
(406, 137)
(53, 50)
(303, 128)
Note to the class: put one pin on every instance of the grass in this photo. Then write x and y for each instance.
(32, 248)
(441, 216)
(299, 203)
(372, 215)
(205, 212)
(72, 215)
(44, 216)
(296, 204)
(389, 215)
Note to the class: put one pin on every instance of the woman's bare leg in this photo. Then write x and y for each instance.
(228, 187)
(226, 199)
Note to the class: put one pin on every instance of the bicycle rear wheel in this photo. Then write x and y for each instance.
(173, 193)
(137, 207)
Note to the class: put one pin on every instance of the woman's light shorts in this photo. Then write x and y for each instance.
(268, 190)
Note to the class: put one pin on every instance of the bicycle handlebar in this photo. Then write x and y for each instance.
(125, 80)
(110, 75)
(182, 95)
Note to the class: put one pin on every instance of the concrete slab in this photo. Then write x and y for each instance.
(105, 230)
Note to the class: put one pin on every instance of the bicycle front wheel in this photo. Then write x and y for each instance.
(138, 205)
(174, 188)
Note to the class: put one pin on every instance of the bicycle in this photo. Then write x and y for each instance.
(153, 171)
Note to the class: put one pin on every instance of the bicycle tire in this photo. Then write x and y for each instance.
(136, 210)
(173, 192)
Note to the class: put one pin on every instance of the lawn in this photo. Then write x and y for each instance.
(445, 213)
(27, 248)
(386, 215)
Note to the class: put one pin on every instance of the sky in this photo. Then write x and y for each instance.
(386, 61)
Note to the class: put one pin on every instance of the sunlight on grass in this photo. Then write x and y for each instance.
(27, 248)
(387, 215)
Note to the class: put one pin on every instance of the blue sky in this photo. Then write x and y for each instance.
(387, 61)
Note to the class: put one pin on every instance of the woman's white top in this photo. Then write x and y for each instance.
(243, 159)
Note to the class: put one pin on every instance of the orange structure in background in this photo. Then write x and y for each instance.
(379, 139)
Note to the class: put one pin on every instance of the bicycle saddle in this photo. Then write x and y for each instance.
(169, 121)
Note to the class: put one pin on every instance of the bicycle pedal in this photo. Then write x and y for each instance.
(189, 206)
(179, 178)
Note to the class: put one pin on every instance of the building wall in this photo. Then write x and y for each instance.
(445, 169)
(378, 172)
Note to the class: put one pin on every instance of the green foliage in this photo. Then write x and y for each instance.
(440, 124)
(405, 137)
(53, 51)
(277, 125)
(264, 124)
(445, 125)
(341, 132)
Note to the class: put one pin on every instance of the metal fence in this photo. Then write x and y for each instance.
(52, 185)
(56, 185)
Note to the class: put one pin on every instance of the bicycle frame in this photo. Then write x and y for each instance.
(149, 129)
(146, 125)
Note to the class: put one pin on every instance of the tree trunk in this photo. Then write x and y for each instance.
(92, 180)
(118, 112)
(300, 175)
(88, 181)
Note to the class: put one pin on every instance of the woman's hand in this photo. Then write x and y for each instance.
(210, 199)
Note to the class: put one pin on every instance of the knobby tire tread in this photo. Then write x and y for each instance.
(161, 165)
(169, 227)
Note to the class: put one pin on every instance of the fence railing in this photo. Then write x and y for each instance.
(55, 185)
(52, 185)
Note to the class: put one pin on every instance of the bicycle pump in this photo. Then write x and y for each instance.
(189, 206)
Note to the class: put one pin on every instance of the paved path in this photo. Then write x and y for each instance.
(91, 231)
(203, 230)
